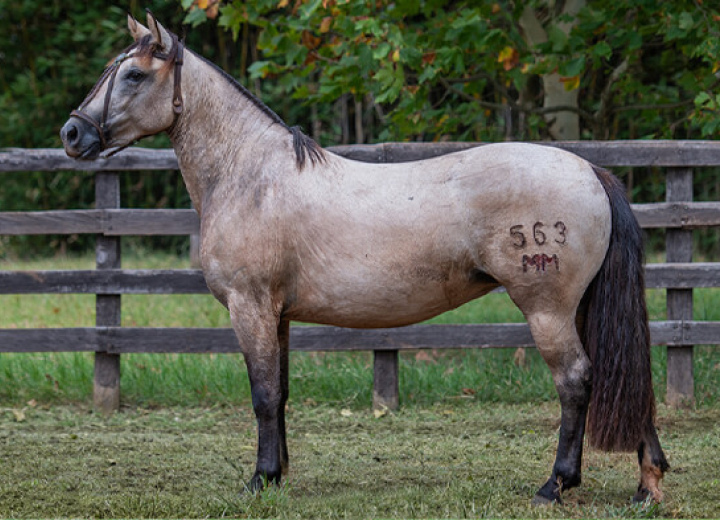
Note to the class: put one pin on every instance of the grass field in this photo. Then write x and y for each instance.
(475, 435)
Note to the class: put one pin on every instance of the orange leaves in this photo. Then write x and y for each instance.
(211, 7)
(309, 40)
(509, 57)
(570, 83)
(429, 58)
(325, 24)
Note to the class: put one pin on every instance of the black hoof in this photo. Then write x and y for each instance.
(260, 481)
(640, 496)
(549, 494)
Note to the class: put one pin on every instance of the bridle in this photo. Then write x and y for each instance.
(175, 55)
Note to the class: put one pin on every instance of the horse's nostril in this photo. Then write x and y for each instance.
(72, 134)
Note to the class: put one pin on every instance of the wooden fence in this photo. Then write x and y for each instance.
(679, 215)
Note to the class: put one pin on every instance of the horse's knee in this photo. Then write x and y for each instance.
(574, 384)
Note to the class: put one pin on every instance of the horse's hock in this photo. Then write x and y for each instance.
(109, 221)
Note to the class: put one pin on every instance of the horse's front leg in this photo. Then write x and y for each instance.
(263, 338)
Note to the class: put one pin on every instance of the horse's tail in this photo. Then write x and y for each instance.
(616, 333)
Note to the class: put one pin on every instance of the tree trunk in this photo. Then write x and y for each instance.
(564, 125)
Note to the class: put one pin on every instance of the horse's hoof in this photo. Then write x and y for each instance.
(547, 495)
(260, 481)
(539, 500)
(643, 494)
(256, 484)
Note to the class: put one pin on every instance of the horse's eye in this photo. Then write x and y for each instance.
(135, 75)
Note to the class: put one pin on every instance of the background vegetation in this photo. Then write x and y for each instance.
(369, 71)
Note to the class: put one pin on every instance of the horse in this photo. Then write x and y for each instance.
(290, 231)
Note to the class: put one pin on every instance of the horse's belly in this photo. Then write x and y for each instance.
(386, 305)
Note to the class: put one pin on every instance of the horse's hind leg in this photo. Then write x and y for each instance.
(558, 342)
(653, 466)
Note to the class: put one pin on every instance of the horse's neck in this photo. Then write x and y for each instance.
(221, 133)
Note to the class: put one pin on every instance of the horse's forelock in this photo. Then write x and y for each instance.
(146, 49)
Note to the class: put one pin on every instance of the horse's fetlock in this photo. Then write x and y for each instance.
(566, 476)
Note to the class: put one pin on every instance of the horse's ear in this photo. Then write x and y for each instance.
(159, 33)
(137, 29)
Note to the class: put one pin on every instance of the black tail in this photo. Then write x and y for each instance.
(616, 334)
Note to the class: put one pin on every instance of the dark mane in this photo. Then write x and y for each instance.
(305, 147)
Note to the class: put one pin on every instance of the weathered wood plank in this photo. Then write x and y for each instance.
(145, 222)
(685, 275)
(309, 339)
(116, 222)
(191, 281)
(105, 281)
(679, 247)
(61, 222)
(687, 215)
(152, 222)
(106, 382)
(50, 340)
(606, 153)
(386, 380)
(55, 159)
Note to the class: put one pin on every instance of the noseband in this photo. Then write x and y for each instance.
(175, 55)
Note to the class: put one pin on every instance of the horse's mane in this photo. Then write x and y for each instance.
(305, 147)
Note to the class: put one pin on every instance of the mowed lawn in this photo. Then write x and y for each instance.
(475, 435)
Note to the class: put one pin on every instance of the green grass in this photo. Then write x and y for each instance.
(448, 460)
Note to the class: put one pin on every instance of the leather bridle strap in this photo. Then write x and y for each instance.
(110, 72)
(175, 55)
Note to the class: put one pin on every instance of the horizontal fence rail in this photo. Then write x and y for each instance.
(191, 281)
(125, 340)
(139, 222)
(679, 215)
(605, 153)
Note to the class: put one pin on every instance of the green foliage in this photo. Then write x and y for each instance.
(441, 69)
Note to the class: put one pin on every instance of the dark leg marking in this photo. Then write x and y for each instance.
(566, 472)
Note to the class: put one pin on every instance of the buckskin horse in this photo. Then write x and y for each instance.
(290, 231)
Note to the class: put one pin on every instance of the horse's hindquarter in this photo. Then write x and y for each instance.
(541, 223)
(388, 245)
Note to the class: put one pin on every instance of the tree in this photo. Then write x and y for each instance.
(488, 69)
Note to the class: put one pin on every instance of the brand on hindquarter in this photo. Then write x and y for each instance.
(539, 235)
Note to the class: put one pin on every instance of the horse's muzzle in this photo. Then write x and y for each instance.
(80, 139)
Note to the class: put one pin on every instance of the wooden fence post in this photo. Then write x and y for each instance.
(106, 386)
(385, 381)
(194, 248)
(679, 246)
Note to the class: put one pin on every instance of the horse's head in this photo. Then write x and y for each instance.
(138, 95)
